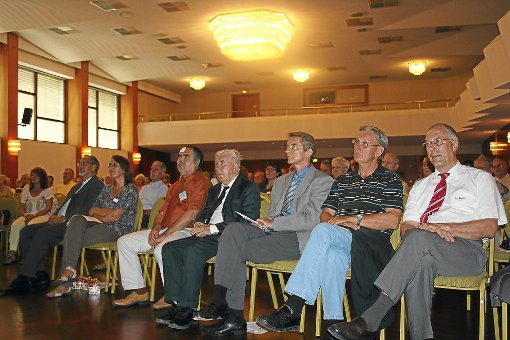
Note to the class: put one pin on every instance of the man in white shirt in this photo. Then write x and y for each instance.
(500, 170)
(339, 166)
(153, 191)
(446, 217)
(67, 182)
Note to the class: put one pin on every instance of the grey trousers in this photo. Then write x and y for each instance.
(420, 258)
(241, 242)
(81, 233)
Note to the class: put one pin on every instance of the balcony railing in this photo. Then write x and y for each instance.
(305, 110)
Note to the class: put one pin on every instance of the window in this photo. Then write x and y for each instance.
(103, 119)
(44, 94)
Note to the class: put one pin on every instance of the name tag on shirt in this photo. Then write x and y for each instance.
(115, 199)
(182, 196)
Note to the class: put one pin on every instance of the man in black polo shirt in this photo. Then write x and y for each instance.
(356, 222)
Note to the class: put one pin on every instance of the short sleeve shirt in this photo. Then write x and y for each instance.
(38, 203)
(188, 193)
(351, 194)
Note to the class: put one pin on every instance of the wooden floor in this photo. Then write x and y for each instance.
(81, 316)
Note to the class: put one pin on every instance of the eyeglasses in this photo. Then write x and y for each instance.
(80, 163)
(364, 144)
(437, 142)
(271, 169)
(112, 165)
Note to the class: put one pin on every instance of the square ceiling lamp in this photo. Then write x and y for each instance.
(253, 35)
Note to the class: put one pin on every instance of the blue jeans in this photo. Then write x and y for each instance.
(324, 263)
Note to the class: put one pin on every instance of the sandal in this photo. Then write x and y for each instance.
(11, 258)
(66, 278)
(59, 292)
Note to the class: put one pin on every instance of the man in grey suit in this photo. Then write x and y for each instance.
(296, 201)
(37, 239)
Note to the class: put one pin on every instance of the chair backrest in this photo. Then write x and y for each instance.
(11, 204)
(61, 198)
(155, 211)
(395, 237)
(265, 201)
(139, 216)
(506, 229)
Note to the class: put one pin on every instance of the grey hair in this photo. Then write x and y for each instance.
(451, 130)
(345, 162)
(307, 140)
(380, 136)
(161, 165)
(483, 158)
(232, 154)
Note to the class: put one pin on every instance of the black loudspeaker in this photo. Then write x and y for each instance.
(27, 116)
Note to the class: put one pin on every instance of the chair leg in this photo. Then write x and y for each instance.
(153, 279)
(318, 315)
(209, 269)
(347, 309)
(108, 268)
(82, 266)
(468, 302)
(282, 285)
(145, 262)
(271, 289)
(481, 331)
(199, 300)
(54, 266)
(302, 321)
(382, 334)
(114, 272)
(402, 318)
(495, 317)
(254, 275)
(504, 321)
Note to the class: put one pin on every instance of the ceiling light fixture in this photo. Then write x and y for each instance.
(253, 35)
(416, 67)
(197, 83)
(301, 76)
(496, 147)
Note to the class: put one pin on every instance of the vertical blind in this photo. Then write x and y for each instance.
(103, 119)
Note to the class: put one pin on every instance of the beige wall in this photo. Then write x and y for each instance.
(52, 157)
(104, 156)
(149, 104)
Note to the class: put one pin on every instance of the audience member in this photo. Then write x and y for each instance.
(36, 204)
(500, 171)
(391, 162)
(184, 260)
(5, 191)
(285, 170)
(426, 169)
(139, 181)
(259, 177)
(485, 164)
(111, 216)
(67, 183)
(354, 165)
(107, 180)
(37, 239)
(22, 182)
(438, 239)
(339, 166)
(166, 180)
(153, 191)
(365, 205)
(326, 167)
(294, 211)
(183, 201)
(51, 179)
(273, 171)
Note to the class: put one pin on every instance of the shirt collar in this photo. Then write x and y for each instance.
(457, 168)
(303, 171)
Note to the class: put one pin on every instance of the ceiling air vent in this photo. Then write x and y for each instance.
(326, 44)
(265, 74)
(440, 69)
(63, 30)
(336, 68)
(107, 5)
(179, 57)
(212, 65)
(386, 40)
(446, 29)
(383, 3)
(369, 52)
(353, 22)
(376, 77)
(126, 57)
(126, 30)
(177, 6)
(171, 41)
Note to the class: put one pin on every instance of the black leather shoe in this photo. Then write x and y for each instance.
(354, 330)
(41, 280)
(227, 326)
(212, 312)
(183, 318)
(281, 320)
(20, 286)
(169, 317)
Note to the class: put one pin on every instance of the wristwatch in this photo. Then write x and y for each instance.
(359, 217)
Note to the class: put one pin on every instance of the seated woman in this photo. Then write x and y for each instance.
(36, 204)
(273, 171)
(111, 216)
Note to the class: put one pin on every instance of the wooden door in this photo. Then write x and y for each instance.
(245, 105)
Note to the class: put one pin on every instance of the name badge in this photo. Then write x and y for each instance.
(459, 197)
(115, 199)
(183, 196)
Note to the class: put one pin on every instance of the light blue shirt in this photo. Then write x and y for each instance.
(151, 192)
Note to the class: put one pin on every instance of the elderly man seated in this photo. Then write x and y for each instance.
(153, 191)
(67, 183)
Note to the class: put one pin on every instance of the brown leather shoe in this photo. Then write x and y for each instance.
(161, 304)
(132, 299)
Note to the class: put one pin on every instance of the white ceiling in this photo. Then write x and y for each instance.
(319, 21)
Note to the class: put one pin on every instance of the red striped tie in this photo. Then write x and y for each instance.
(437, 199)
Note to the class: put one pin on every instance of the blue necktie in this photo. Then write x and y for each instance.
(289, 196)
